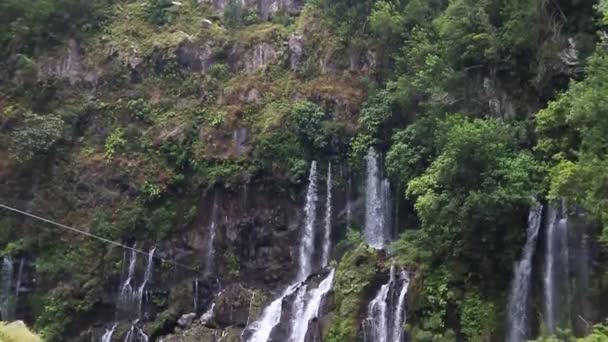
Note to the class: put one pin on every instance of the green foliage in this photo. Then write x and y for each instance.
(36, 135)
(354, 274)
(478, 318)
(27, 24)
(158, 11)
(233, 14)
(114, 143)
(572, 132)
(308, 118)
(281, 153)
(386, 22)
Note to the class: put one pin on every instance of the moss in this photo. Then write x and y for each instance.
(354, 275)
(265, 32)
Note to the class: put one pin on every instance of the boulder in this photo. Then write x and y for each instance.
(186, 320)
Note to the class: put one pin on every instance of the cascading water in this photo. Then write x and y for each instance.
(311, 309)
(5, 289)
(327, 227)
(377, 208)
(386, 313)
(147, 277)
(270, 317)
(306, 302)
(107, 336)
(520, 288)
(548, 274)
(210, 248)
(195, 286)
(308, 236)
(376, 324)
(136, 334)
(556, 266)
(127, 297)
(399, 315)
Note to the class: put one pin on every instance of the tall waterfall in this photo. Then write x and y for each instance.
(520, 288)
(556, 266)
(311, 309)
(327, 227)
(306, 302)
(210, 248)
(5, 289)
(377, 203)
(308, 236)
(385, 315)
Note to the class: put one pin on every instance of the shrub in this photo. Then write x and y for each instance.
(37, 134)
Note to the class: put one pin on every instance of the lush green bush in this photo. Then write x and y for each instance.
(572, 133)
(26, 24)
(36, 134)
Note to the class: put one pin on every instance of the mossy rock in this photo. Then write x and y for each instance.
(354, 276)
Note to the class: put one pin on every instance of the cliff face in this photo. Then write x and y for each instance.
(187, 130)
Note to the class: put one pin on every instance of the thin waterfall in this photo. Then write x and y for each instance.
(327, 227)
(5, 288)
(271, 316)
(562, 272)
(195, 286)
(308, 236)
(399, 314)
(377, 203)
(520, 288)
(107, 335)
(127, 297)
(210, 248)
(548, 277)
(147, 278)
(311, 309)
(376, 325)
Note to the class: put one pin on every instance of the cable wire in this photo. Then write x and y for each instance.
(90, 235)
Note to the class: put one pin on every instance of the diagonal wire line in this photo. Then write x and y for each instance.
(79, 231)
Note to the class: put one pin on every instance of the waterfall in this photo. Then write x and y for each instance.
(147, 278)
(127, 297)
(376, 323)
(398, 315)
(556, 273)
(299, 305)
(377, 203)
(107, 336)
(210, 248)
(328, 213)
(386, 313)
(520, 288)
(5, 288)
(304, 303)
(311, 309)
(195, 286)
(308, 236)
(548, 274)
(270, 317)
(136, 334)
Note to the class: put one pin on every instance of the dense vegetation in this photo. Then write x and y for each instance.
(479, 106)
